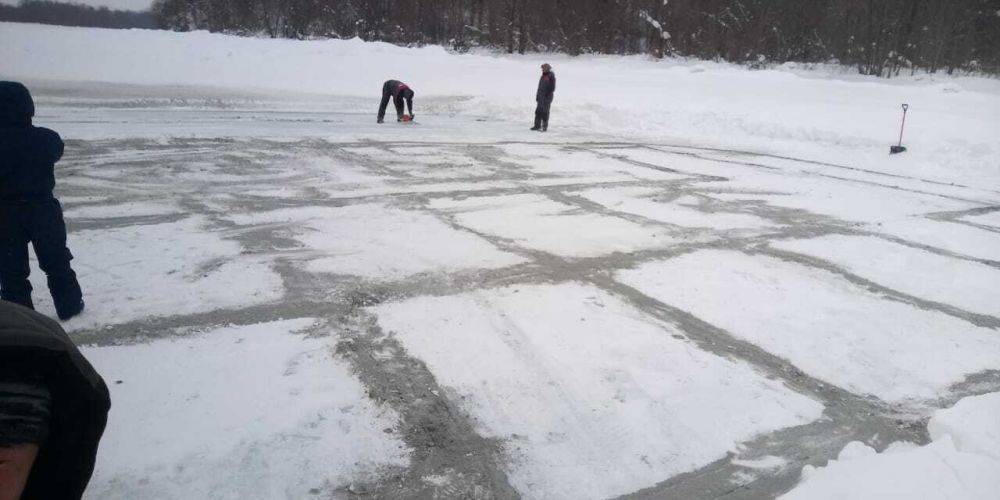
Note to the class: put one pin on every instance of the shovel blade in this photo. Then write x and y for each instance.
(896, 149)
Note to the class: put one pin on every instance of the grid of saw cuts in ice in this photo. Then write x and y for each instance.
(553, 165)
(426, 163)
(826, 326)
(667, 207)
(591, 397)
(539, 223)
(380, 242)
(968, 285)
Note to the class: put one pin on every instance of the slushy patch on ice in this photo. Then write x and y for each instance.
(964, 284)
(284, 417)
(769, 462)
(962, 462)
(824, 325)
(539, 223)
(377, 241)
(155, 270)
(591, 397)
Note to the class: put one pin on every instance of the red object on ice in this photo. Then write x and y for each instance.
(407, 118)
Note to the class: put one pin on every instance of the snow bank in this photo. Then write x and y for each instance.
(953, 131)
(962, 462)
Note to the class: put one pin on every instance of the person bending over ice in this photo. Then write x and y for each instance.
(29, 213)
(397, 91)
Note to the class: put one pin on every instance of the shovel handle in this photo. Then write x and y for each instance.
(901, 125)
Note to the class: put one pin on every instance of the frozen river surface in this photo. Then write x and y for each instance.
(297, 303)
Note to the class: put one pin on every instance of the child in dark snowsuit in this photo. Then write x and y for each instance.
(29, 213)
(397, 91)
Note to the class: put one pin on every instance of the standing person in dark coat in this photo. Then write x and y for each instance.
(53, 409)
(543, 98)
(397, 91)
(29, 213)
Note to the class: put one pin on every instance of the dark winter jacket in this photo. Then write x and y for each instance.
(80, 401)
(546, 87)
(28, 154)
(399, 90)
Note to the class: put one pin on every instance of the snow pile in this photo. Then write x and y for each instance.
(953, 131)
(962, 461)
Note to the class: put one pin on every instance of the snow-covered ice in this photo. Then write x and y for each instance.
(968, 285)
(827, 114)
(991, 219)
(158, 270)
(290, 420)
(549, 226)
(956, 238)
(376, 241)
(571, 163)
(828, 327)
(202, 192)
(593, 398)
(642, 201)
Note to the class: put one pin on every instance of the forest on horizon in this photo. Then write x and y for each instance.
(878, 37)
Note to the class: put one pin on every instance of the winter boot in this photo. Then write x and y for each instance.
(68, 311)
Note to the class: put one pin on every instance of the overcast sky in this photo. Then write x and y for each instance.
(111, 4)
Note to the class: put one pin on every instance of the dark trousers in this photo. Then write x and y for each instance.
(397, 101)
(41, 224)
(542, 114)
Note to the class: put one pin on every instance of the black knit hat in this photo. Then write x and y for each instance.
(16, 105)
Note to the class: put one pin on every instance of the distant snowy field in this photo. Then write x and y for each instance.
(829, 114)
(703, 280)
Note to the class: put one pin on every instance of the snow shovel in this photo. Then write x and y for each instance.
(899, 148)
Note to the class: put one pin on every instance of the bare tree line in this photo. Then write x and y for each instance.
(67, 14)
(879, 37)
